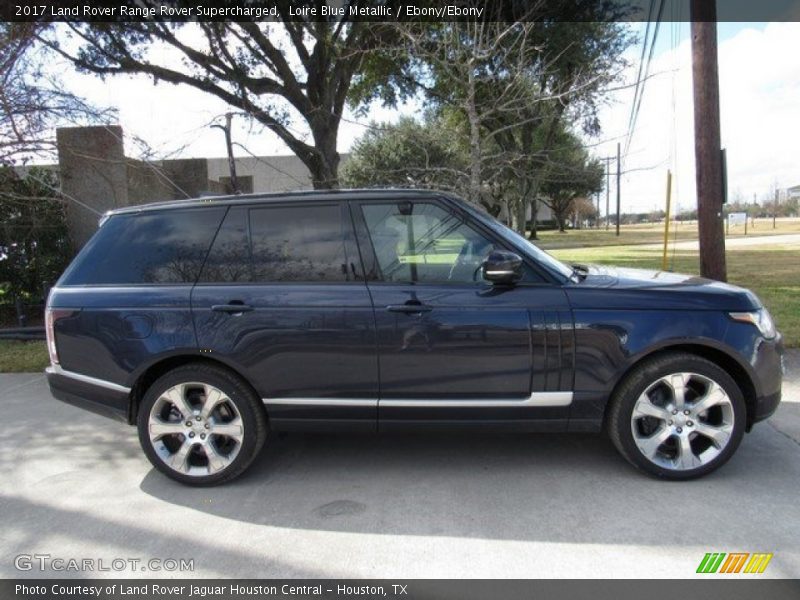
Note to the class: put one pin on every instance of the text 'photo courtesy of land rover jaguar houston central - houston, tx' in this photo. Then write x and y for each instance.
(211, 323)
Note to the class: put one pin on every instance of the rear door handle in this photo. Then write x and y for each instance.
(409, 308)
(232, 308)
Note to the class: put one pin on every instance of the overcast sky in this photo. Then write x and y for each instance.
(760, 98)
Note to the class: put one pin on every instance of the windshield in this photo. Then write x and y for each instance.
(537, 253)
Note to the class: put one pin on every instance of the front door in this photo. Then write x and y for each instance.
(453, 348)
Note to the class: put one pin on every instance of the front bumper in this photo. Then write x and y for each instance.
(769, 370)
(95, 395)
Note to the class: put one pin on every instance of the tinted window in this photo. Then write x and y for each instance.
(424, 242)
(158, 247)
(299, 243)
(229, 259)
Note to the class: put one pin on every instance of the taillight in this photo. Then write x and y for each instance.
(52, 315)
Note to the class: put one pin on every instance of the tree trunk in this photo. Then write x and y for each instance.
(534, 202)
(323, 162)
(521, 217)
(474, 141)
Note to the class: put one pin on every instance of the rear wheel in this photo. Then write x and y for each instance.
(677, 416)
(201, 425)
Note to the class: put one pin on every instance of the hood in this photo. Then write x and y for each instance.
(617, 287)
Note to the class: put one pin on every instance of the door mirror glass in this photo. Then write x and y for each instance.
(502, 267)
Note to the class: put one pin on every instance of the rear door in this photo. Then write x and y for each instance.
(453, 348)
(282, 297)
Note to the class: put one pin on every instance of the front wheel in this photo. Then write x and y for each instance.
(677, 416)
(201, 425)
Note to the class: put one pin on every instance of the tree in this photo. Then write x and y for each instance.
(514, 84)
(427, 154)
(35, 248)
(32, 100)
(571, 175)
(582, 210)
(278, 74)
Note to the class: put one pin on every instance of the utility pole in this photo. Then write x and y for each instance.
(229, 145)
(608, 188)
(666, 221)
(619, 174)
(597, 214)
(775, 210)
(707, 139)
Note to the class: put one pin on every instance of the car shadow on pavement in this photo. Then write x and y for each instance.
(570, 488)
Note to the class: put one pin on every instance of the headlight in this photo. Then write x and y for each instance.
(759, 318)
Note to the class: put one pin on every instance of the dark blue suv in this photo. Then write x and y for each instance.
(211, 323)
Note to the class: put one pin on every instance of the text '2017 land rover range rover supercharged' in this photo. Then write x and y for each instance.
(209, 324)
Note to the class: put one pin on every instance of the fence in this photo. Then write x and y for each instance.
(22, 320)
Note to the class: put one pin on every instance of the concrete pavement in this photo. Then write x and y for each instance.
(737, 242)
(77, 486)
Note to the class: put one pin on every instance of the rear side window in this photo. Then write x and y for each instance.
(160, 247)
(300, 243)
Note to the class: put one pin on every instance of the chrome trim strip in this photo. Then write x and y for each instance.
(536, 399)
(57, 370)
(321, 401)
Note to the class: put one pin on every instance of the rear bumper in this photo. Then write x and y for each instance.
(96, 395)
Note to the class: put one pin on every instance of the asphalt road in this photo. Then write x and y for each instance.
(77, 486)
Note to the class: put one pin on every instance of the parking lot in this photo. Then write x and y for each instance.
(77, 486)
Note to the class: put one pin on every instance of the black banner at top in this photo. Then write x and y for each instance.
(389, 10)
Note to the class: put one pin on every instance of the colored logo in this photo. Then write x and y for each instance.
(735, 562)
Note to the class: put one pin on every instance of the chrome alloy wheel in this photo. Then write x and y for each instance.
(682, 421)
(195, 429)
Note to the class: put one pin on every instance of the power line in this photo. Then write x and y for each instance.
(641, 66)
(642, 82)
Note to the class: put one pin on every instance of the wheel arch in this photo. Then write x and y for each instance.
(152, 372)
(722, 358)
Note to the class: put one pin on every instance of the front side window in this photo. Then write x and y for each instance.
(423, 242)
(300, 244)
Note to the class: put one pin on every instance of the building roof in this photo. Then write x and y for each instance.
(298, 196)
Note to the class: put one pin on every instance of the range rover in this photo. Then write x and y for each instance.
(210, 324)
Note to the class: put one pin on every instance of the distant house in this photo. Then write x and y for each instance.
(793, 192)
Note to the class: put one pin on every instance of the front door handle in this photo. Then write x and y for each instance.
(409, 308)
(232, 308)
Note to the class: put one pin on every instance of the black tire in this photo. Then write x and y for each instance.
(620, 425)
(249, 407)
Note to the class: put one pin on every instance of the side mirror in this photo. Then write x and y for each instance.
(502, 268)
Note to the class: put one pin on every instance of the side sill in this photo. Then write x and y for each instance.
(482, 426)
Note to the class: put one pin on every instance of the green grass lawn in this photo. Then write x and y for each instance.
(771, 271)
(650, 233)
(22, 357)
